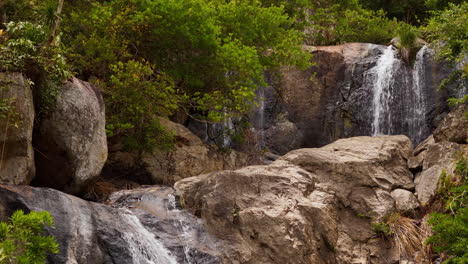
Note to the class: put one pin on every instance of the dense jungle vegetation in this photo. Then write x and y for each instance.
(206, 59)
(203, 58)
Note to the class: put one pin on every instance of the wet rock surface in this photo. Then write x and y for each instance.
(137, 227)
(334, 98)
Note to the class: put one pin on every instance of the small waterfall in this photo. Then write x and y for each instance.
(383, 75)
(228, 127)
(260, 116)
(143, 246)
(417, 105)
(185, 231)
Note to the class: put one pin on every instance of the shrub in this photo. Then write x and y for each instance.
(407, 35)
(450, 229)
(136, 95)
(22, 239)
(382, 229)
(337, 24)
(24, 47)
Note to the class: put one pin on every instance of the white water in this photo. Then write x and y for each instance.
(228, 127)
(185, 231)
(143, 246)
(417, 105)
(261, 118)
(383, 75)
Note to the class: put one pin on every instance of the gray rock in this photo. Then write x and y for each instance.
(454, 127)
(428, 184)
(283, 137)
(16, 151)
(137, 227)
(405, 200)
(431, 160)
(379, 162)
(71, 140)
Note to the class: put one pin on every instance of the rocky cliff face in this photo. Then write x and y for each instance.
(189, 157)
(315, 205)
(16, 129)
(336, 98)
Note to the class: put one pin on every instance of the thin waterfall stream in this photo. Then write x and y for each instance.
(417, 119)
(383, 75)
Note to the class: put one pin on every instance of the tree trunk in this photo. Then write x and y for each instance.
(53, 32)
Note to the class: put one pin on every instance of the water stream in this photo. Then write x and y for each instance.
(143, 247)
(417, 105)
(383, 75)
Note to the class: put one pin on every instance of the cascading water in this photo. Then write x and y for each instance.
(383, 75)
(417, 106)
(185, 231)
(228, 126)
(144, 248)
(260, 117)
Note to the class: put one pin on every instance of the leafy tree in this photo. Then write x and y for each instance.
(22, 239)
(214, 52)
(136, 96)
(448, 33)
(338, 24)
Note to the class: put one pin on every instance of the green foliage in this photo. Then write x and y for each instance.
(450, 229)
(448, 31)
(450, 235)
(381, 228)
(22, 240)
(136, 96)
(407, 35)
(340, 24)
(25, 48)
(214, 52)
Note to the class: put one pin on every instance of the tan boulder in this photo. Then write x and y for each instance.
(189, 157)
(454, 127)
(309, 206)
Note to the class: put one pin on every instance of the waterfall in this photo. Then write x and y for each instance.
(416, 115)
(185, 231)
(383, 75)
(228, 127)
(143, 246)
(260, 122)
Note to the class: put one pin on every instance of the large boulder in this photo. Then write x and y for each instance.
(435, 158)
(189, 157)
(309, 206)
(454, 127)
(136, 227)
(16, 129)
(70, 141)
(283, 137)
